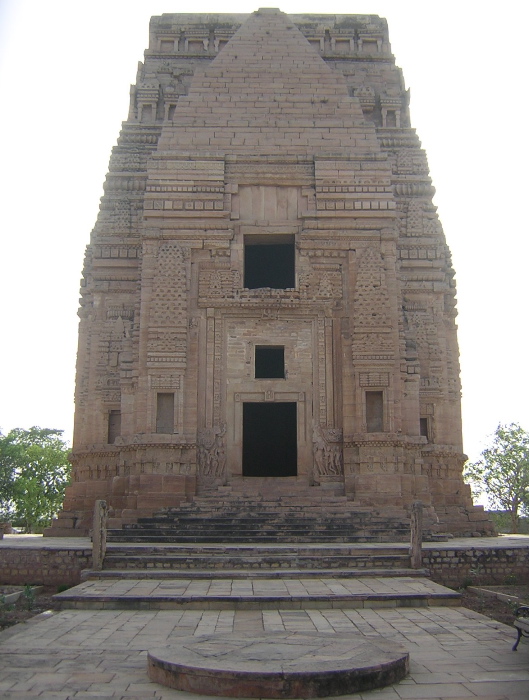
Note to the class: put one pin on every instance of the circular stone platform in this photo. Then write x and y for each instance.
(278, 665)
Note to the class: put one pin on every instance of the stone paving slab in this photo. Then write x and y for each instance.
(89, 655)
(257, 593)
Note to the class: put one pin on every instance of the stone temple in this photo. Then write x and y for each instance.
(268, 302)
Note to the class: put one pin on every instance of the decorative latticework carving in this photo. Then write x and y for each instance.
(371, 298)
(169, 300)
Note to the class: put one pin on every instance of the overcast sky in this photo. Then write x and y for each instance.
(65, 72)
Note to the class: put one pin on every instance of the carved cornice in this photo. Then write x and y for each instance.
(414, 189)
(113, 451)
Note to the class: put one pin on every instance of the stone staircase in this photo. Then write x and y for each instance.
(260, 546)
(267, 513)
(243, 560)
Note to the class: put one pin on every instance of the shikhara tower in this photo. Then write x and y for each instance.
(267, 293)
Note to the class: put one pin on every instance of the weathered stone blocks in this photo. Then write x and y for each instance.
(290, 136)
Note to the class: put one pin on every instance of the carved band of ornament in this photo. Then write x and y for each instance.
(122, 251)
(257, 304)
(82, 455)
(185, 188)
(114, 278)
(390, 442)
(151, 139)
(410, 189)
(125, 312)
(165, 382)
(415, 306)
(118, 183)
(402, 140)
(314, 253)
(374, 379)
(380, 186)
(425, 276)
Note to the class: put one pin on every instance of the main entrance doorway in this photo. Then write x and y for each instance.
(269, 439)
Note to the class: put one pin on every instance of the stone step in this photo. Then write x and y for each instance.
(157, 574)
(261, 550)
(280, 533)
(307, 515)
(164, 560)
(249, 513)
(264, 594)
(120, 536)
(281, 500)
(258, 525)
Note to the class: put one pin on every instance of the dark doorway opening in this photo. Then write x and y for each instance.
(269, 439)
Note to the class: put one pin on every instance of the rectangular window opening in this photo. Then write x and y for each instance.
(424, 428)
(114, 426)
(375, 411)
(269, 362)
(165, 413)
(269, 261)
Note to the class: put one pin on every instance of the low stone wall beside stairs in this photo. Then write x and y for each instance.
(41, 566)
(449, 566)
(457, 567)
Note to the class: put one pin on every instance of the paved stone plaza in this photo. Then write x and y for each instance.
(89, 655)
(94, 654)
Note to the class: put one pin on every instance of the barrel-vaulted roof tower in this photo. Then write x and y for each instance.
(267, 295)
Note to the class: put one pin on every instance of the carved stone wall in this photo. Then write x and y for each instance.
(268, 130)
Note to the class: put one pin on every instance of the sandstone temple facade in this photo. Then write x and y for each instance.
(268, 294)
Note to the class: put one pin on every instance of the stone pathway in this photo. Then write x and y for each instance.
(89, 655)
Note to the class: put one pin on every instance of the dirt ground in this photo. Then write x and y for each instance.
(500, 610)
(25, 607)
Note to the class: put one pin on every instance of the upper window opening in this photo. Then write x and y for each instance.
(269, 261)
(114, 426)
(165, 413)
(375, 411)
(269, 362)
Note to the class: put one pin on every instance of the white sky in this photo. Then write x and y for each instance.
(65, 72)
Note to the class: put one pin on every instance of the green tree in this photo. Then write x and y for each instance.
(502, 473)
(8, 455)
(34, 472)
